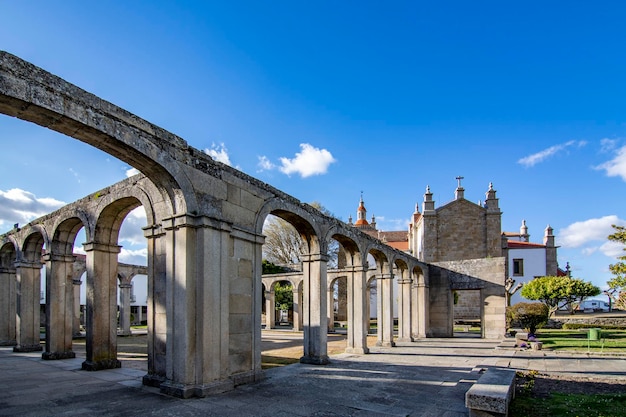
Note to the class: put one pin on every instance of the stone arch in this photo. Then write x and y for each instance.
(32, 94)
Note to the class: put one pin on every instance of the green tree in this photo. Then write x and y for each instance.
(558, 292)
(529, 316)
(283, 294)
(270, 268)
(619, 269)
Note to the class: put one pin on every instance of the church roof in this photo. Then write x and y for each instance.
(515, 244)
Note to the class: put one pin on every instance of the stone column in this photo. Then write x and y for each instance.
(297, 317)
(331, 310)
(368, 308)
(101, 311)
(60, 306)
(76, 283)
(28, 291)
(423, 315)
(415, 306)
(404, 310)
(200, 265)
(156, 311)
(358, 308)
(7, 306)
(314, 308)
(385, 310)
(270, 308)
(125, 308)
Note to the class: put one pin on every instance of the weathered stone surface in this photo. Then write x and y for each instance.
(492, 393)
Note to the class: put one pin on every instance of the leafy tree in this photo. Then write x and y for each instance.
(530, 316)
(558, 292)
(619, 269)
(283, 294)
(270, 268)
(284, 245)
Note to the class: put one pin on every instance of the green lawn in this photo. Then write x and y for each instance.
(610, 341)
(557, 405)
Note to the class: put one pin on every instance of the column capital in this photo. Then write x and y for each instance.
(28, 264)
(101, 247)
(48, 257)
(384, 276)
(77, 282)
(405, 281)
(313, 257)
(124, 285)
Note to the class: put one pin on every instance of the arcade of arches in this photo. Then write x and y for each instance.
(204, 236)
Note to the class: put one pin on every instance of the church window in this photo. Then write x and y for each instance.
(518, 267)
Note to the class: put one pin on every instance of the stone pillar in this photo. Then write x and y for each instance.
(414, 310)
(368, 307)
(423, 315)
(7, 307)
(201, 261)
(156, 306)
(297, 316)
(314, 308)
(358, 308)
(385, 310)
(331, 309)
(60, 306)
(270, 308)
(28, 291)
(101, 311)
(125, 308)
(76, 283)
(404, 310)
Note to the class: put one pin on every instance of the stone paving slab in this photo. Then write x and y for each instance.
(426, 378)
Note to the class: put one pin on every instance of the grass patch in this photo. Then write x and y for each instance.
(558, 404)
(610, 341)
(268, 361)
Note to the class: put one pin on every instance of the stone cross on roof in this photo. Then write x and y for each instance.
(459, 178)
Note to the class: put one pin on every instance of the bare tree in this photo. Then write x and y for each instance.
(284, 245)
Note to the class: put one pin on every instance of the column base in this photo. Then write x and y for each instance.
(100, 365)
(52, 356)
(385, 344)
(405, 339)
(195, 390)
(358, 351)
(28, 348)
(315, 360)
(8, 343)
(153, 380)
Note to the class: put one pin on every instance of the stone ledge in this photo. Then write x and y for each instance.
(492, 393)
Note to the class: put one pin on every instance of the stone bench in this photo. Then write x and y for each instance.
(492, 393)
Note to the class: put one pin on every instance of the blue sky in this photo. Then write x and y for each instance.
(327, 99)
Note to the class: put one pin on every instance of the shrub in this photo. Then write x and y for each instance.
(530, 316)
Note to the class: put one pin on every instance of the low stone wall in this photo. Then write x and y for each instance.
(591, 321)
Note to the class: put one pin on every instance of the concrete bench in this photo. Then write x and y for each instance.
(492, 393)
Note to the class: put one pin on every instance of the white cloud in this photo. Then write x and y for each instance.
(265, 164)
(131, 171)
(134, 257)
(219, 153)
(20, 206)
(75, 174)
(616, 167)
(581, 233)
(131, 231)
(541, 156)
(309, 161)
(613, 249)
(608, 145)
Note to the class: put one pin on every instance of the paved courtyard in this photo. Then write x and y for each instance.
(427, 378)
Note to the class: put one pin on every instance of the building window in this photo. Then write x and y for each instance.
(518, 267)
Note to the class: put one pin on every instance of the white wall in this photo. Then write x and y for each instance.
(534, 265)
